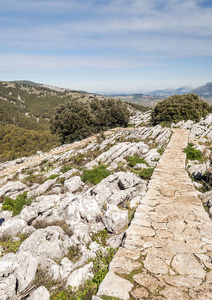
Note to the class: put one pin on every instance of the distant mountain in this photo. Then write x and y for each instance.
(204, 91)
(170, 92)
(27, 82)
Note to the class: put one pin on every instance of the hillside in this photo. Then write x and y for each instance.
(64, 214)
(152, 98)
(25, 111)
(204, 91)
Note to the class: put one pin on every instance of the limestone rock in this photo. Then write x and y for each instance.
(12, 227)
(115, 241)
(40, 293)
(16, 273)
(73, 184)
(115, 219)
(80, 276)
(197, 171)
(50, 242)
(115, 286)
(12, 187)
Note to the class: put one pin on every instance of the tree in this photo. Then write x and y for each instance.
(180, 107)
(78, 119)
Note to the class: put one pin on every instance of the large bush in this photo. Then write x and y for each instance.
(78, 119)
(180, 107)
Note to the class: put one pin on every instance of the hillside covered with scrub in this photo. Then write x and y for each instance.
(26, 109)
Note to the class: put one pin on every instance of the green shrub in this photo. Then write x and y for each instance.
(180, 107)
(16, 205)
(65, 169)
(76, 120)
(8, 245)
(146, 173)
(100, 237)
(90, 288)
(133, 160)
(53, 176)
(96, 175)
(193, 154)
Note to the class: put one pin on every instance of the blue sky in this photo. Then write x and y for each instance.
(107, 45)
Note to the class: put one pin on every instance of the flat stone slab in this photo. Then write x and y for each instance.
(115, 286)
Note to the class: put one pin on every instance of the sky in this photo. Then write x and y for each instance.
(107, 46)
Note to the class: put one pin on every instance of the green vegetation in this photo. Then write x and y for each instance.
(193, 154)
(180, 107)
(100, 237)
(133, 160)
(19, 142)
(90, 288)
(146, 173)
(95, 175)
(65, 169)
(16, 205)
(10, 245)
(53, 176)
(76, 120)
(139, 107)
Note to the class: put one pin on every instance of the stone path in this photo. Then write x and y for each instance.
(168, 247)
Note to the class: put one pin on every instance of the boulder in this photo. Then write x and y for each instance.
(43, 188)
(12, 227)
(197, 171)
(73, 184)
(206, 197)
(40, 293)
(115, 241)
(115, 219)
(127, 180)
(80, 276)
(12, 187)
(50, 242)
(66, 267)
(140, 166)
(16, 273)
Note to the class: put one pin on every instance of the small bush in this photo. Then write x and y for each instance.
(16, 205)
(133, 160)
(90, 288)
(180, 107)
(73, 254)
(146, 173)
(100, 237)
(193, 154)
(65, 169)
(96, 175)
(43, 224)
(8, 245)
(53, 176)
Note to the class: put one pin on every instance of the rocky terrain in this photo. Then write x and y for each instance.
(64, 213)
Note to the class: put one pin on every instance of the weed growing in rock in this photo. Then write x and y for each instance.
(9, 244)
(146, 173)
(73, 254)
(193, 154)
(65, 169)
(161, 150)
(53, 176)
(90, 288)
(133, 160)
(44, 223)
(96, 175)
(16, 205)
(100, 237)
